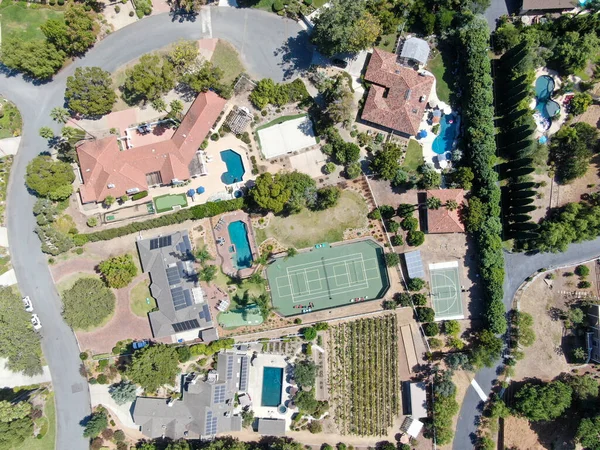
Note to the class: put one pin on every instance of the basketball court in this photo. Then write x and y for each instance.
(328, 277)
(445, 291)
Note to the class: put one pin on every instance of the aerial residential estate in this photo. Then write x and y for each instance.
(294, 224)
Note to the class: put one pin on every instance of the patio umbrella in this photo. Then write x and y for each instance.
(543, 140)
(200, 190)
(191, 193)
(422, 134)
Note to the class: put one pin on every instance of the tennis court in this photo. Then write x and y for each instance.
(167, 202)
(445, 291)
(328, 277)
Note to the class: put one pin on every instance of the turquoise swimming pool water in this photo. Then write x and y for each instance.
(272, 386)
(235, 167)
(544, 88)
(239, 238)
(448, 132)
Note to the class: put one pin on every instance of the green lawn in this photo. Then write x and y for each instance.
(387, 42)
(64, 224)
(11, 121)
(309, 228)
(140, 300)
(166, 202)
(437, 67)
(280, 120)
(414, 155)
(48, 423)
(24, 19)
(226, 58)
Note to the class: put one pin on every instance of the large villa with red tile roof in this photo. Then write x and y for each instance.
(443, 219)
(398, 95)
(108, 170)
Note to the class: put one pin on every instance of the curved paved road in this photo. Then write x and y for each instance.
(518, 266)
(270, 47)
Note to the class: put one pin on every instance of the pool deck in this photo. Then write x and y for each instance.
(225, 256)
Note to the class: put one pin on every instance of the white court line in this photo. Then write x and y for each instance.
(327, 261)
(479, 391)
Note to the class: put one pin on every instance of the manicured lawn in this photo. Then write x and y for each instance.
(166, 203)
(48, 423)
(437, 67)
(226, 58)
(24, 19)
(309, 228)
(280, 120)
(10, 122)
(140, 300)
(414, 155)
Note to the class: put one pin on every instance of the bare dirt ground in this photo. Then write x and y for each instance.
(520, 434)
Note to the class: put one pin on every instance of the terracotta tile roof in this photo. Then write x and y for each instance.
(442, 220)
(394, 99)
(103, 164)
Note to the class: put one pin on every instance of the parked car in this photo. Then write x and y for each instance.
(339, 63)
(139, 344)
(27, 303)
(35, 321)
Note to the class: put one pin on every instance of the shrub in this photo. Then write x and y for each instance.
(309, 333)
(584, 285)
(117, 9)
(184, 354)
(61, 2)
(431, 329)
(83, 356)
(582, 271)
(409, 224)
(118, 271)
(131, 13)
(101, 379)
(308, 2)
(393, 226)
(139, 195)
(87, 303)
(397, 240)
(419, 299)
(119, 436)
(392, 259)
(415, 238)
(92, 222)
(425, 314)
(415, 284)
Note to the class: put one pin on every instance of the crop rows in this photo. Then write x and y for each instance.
(363, 375)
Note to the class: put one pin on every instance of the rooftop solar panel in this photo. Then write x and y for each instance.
(210, 427)
(153, 244)
(173, 275)
(206, 312)
(219, 394)
(178, 298)
(187, 245)
(229, 367)
(185, 326)
(244, 374)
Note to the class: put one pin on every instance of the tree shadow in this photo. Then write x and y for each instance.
(296, 54)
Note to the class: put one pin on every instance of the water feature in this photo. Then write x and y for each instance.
(544, 88)
(235, 167)
(271, 386)
(448, 132)
(238, 234)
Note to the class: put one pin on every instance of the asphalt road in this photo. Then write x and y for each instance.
(270, 47)
(518, 267)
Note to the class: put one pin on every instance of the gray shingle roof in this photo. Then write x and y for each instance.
(168, 260)
(416, 49)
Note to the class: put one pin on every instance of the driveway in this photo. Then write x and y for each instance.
(518, 267)
(500, 8)
(270, 47)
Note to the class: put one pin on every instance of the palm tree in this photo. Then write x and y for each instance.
(451, 205)
(208, 273)
(176, 107)
(291, 252)
(159, 104)
(46, 133)
(203, 255)
(70, 133)
(60, 115)
(108, 201)
(433, 203)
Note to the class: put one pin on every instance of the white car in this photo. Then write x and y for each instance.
(35, 321)
(27, 303)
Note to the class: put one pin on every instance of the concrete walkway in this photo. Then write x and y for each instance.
(10, 379)
(9, 146)
(8, 278)
(100, 396)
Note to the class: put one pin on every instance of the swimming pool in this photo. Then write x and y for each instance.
(448, 132)
(544, 87)
(239, 238)
(235, 167)
(272, 386)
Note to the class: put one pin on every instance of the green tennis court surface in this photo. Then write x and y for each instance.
(328, 277)
(167, 202)
(445, 291)
(240, 317)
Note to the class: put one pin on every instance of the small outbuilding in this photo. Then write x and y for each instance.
(414, 50)
(271, 427)
(418, 400)
(446, 219)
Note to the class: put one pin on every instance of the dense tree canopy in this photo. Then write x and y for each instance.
(588, 433)
(124, 392)
(13, 433)
(151, 77)
(154, 366)
(87, 303)
(305, 372)
(19, 343)
(386, 162)
(38, 58)
(543, 402)
(48, 178)
(89, 92)
(571, 150)
(346, 26)
(118, 271)
(73, 35)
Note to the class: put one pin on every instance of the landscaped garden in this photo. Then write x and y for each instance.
(141, 301)
(414, 156)
(10, 120)
(438, 69)
(363, 375)
(46, 425)
(308, 227)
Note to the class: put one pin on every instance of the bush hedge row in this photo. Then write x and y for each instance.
(478, 112)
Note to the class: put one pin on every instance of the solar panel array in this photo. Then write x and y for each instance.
(187, 325)
(173, 275)
(205, 313)
(185, 246)
(230, 367)
(219, 394)
(414, 264)
(179, 300)
(210, 426)
(163, 241)
(244, 374)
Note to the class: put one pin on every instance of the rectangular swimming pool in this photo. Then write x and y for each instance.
(272, 386)
(239, 238)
